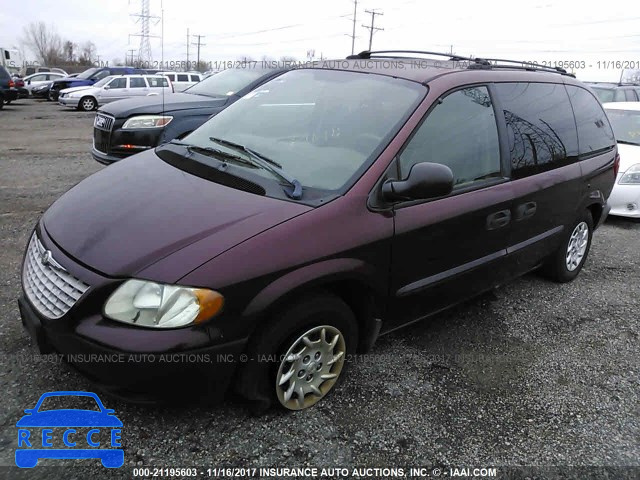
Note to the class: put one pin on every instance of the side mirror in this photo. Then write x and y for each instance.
(425, 180)
(28, 82)
(107, 87)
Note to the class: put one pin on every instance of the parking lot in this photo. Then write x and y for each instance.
(535, 373)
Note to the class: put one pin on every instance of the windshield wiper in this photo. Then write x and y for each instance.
(215, 153)
(294, 187)
(237, 146)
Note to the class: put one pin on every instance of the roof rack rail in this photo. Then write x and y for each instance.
(475, 62)
(366, 54)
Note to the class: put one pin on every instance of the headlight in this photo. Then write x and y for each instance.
(631, 176)
(147, 121)
(149, 304)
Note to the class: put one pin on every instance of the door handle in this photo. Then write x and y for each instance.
(498, 220)
(525, 210)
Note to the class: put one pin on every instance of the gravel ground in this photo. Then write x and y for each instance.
(535, 373)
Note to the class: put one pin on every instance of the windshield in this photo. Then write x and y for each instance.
(626, 125)
(227, 82)
(321, 126)
(88, 73)
(103, 82)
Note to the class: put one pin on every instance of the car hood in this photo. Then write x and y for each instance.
(69, 418)
(159, 104)
(76, 89)
(141, 210)
(629, 155)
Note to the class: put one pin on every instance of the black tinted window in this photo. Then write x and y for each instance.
(4, 73)
(195, 78)
(540, 126)
(183, 78)
(594, 131)
(460, 133)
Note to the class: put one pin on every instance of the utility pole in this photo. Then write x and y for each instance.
(199, 43)
(131, 52)
(187, 47)
(353, 34)
(372, 28)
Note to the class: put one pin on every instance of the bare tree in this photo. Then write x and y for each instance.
(44, 41)
(69, 51)
(87, 54)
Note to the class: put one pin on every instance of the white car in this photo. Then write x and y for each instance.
(112, 88)
(40, 78)
(625, 120)
(182, 81)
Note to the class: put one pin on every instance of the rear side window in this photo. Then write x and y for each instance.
(137, 82)
(460, 133)
(183, 78)
(540, 126)
(157, 82)
(604, 94)
(195, 78)
(594, 131)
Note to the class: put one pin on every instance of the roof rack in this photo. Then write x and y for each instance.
(475, 62)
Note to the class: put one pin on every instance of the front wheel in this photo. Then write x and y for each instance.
(565, 264)
(87, 104)
(297, 358)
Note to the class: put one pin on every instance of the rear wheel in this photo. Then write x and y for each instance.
(299, 356)
(87, 104)
(565, 264)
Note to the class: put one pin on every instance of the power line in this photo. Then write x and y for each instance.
(372, 28)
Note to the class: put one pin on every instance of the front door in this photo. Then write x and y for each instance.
(448, 249)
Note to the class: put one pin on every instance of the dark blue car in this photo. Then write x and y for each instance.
(32, 447)
(88, 78)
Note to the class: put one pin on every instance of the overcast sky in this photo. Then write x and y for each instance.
(539, 30)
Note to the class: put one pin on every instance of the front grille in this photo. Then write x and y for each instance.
(50, 288)
(103, 122)
(102, 126)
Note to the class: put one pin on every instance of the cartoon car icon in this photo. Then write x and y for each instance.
(79, 445)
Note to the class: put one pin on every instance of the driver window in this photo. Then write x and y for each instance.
(461, 133)
(100, 75)
(118, 83)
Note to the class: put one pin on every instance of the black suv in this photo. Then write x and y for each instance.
(130, 126)
(7, 91)
(616, 92)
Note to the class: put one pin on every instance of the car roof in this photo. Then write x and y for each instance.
(633, 106)
(421, 67)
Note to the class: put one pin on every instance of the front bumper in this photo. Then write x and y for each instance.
(625, 200)
(138, 375)
(69, 101)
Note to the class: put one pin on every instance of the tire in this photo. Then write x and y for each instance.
(1, 102)
(51, 97)
(87, 104)
(566, 263)
(271, 354)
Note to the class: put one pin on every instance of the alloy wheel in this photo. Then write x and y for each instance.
(310, 367)
(577, 246)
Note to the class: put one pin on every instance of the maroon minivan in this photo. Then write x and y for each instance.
(335, 203)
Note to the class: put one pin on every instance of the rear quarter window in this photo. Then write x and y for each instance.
(4, 73)
(594, 131)
(195, 78)
(540, 126)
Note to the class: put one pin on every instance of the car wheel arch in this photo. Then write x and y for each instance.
(348, 279)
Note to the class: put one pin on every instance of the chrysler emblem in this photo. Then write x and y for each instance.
(47, 261)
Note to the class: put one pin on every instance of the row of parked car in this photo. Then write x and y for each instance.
(48, 84)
